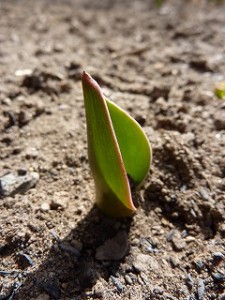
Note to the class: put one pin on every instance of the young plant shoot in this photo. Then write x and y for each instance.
(118, 150)
(219, 90)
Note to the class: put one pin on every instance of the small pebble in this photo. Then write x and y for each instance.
(113, 249)
(133, 277)
(204, 194)
(217, 257)
(178, 243)
(190, 239)
(200, 289)
(158, 290)
(12, 184)
(77, 244)
(218, 277)
(55, 235)
(25, 260)
(170, 235)
(6, 101)
(119, 286)
(128, 279)
(45, 206)
(144, 278)
(58, 203)
(189, 281)
(144, 262)
(184, 234)
(23, 72)
(199, 263)
(69, 248)
(148, 246)
(170, 297)
(174, 262)
(140, 280)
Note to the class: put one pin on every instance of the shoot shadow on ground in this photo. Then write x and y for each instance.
(68, 271)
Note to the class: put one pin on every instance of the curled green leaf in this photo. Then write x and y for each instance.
(118, 149)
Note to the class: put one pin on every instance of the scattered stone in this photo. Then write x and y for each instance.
(189, 281)
(113, 249)
(144, 262)
(45, 206)
(69, 248)
(217, 257)
(158, 290)
(23, 72)
(170, 235)
(184, 234)
(12, 184)
(178, 243)
(140, 280)
(6, 101)
(25, 260)
(58, 203)
(31, 153)
(174, 261)
(11, 119)
(218, 277)
(190, 239)
(204, 194)
(148, 246)
(144, 278)
(77, 244)
(59, 200)
(128, 279)
(199, 263)
(118, 284)
(23, 118)
(200, 289)
(170, 297)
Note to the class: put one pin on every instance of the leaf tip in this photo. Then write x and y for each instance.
(89, 82)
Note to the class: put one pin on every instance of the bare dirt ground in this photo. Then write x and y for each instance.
(161, 65)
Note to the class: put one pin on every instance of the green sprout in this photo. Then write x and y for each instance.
(220, 90)
(118, 150)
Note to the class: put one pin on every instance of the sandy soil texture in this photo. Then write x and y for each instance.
(160, 64)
